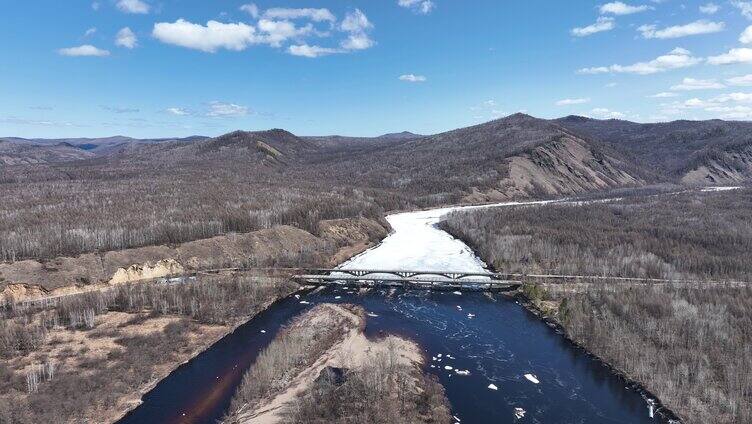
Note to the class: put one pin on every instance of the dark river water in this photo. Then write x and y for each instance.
(491, 336)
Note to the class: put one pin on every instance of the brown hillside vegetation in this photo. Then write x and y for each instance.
(138, 193)
(90, 358)
(698, 235)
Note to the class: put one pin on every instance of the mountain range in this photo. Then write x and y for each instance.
(515, 156)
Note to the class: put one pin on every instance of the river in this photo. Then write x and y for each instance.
(492, 337)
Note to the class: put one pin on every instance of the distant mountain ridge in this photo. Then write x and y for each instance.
(515, 156)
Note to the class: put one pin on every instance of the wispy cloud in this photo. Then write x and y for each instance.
(677, 31)
(177, 111)
(689, 84)
(603, 23)
(709, 8)
(663, 95)
(568, 102)
(119, 109)
(675, 59)
(603, 113)
(83, 50)
(133, 6)
(422, 7)
(743, 80)
(620, 8)
(305, 50)
(412, 78)
(745, 7)
(219, 109)
(316, 15)
(126, 38)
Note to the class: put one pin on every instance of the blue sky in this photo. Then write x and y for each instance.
(159, 68)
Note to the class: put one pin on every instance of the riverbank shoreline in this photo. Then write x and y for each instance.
(631, 383)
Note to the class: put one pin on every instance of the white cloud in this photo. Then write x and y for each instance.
(567, 102)
(90, 31)
(744, 80)
(126, 38)
(603, 113)
(133, 6)
(709, 8)
(177, 111)
(619, 8)
(745, 7)
(316, 15)
(251, 9)
(311, 51)
(412, 78)
(215, 35)
(83, 50)
(746, 35)
(604, 23)
(737, 55)
(675, 59)
(663, 95)
(276, 32)
(688, 84)
(677, 31)
(423, 7)
(226, 110)
(356, 23)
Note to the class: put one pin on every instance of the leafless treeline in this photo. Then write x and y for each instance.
(292, 350)
(698, 235)
(383, 390)
(688, 345)
(100, 381)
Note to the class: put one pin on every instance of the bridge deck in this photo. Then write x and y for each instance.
(384, 279)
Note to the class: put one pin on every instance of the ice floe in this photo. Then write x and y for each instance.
(493, 387)
(519, 413)
(448, 368)
(462, 372)
(532, 378)
(305, 302)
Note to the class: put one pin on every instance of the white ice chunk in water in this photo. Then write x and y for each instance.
(297, 296)
(455, 418)
(448, 368)
(532, 378)
(439, 355)
(338, 297)
(459, 307)
(493, 387)
(304, 302)
(263, 331)
(471, 315)
(458, 293)
(462, 372)
(519, 413)
(372, 315)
